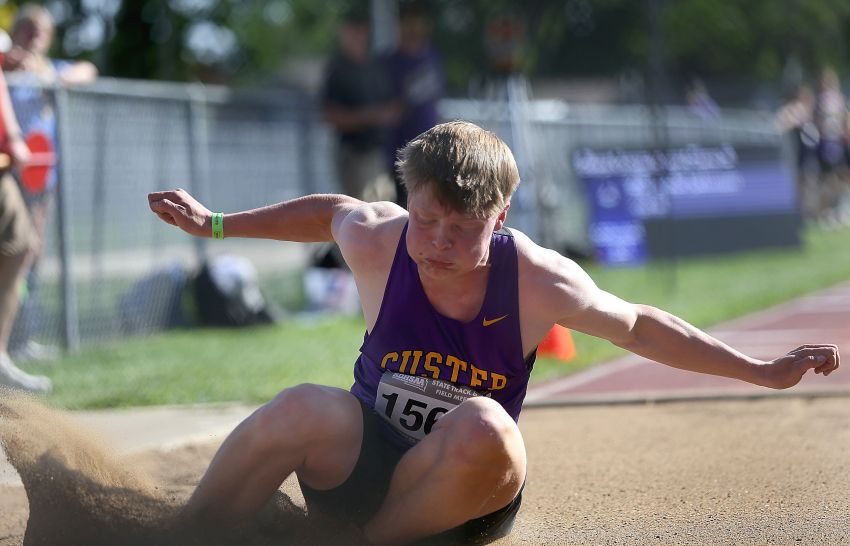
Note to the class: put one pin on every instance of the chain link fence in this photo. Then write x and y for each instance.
(110, 268)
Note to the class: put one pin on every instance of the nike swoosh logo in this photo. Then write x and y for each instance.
(493, 321)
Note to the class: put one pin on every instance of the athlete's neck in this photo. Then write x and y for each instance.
(459, 297)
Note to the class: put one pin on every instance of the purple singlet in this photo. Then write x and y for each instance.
(411, 338)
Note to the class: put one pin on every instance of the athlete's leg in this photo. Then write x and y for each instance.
(472, 464)
(309, 429)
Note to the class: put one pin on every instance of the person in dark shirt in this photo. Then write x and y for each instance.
(357, 102)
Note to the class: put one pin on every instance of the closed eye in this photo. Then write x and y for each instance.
(424, 221)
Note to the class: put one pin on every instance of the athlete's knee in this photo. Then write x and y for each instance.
(292, 413)
(484, 434)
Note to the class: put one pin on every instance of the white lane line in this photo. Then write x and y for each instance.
(537, 393)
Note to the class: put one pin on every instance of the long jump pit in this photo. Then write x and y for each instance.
(750, 471)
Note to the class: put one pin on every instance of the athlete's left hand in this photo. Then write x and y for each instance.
(786, 371)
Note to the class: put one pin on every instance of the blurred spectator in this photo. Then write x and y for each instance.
(357, 103)
(830, 117)
(699, 102)
(416, 72)
(796, 119)
(504, 42)
(17, 242)
(32, 36)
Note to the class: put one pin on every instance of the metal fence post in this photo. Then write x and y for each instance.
(199, 161)
(70, 316)
(384, 19)
(304, 139)
(99, 201)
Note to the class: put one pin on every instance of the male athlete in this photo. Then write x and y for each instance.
(426, 441)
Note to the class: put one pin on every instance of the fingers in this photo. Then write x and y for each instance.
(830, 366)
(177, 195)
(823, 359)
(167, 211)
(814, 347)
(166, 218)
(164, 206)
(810, 362)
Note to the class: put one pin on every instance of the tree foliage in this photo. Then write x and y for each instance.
(756, 37)
(228, 40)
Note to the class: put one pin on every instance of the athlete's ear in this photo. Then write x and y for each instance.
(500, 221)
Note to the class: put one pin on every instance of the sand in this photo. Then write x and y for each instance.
(80, 493)
(734, 472)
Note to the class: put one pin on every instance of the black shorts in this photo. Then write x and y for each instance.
(361, 495)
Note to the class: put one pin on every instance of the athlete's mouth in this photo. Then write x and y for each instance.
(438, 263)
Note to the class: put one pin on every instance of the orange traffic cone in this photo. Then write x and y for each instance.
(558, 343)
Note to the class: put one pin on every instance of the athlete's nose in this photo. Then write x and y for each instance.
(441, 240)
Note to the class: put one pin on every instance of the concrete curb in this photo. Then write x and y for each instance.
(134, 430)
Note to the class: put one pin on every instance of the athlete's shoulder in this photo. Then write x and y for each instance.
(374, 220)
(370, 231)
(540, 259)
(533, 257)
(546, 276)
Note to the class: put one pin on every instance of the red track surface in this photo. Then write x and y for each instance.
(822, 317)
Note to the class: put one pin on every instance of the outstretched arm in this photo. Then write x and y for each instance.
(663, 337)
(307, 219)
(578, 303)
(78, 73)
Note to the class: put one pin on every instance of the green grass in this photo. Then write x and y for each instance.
(207, 365)
(251, 365)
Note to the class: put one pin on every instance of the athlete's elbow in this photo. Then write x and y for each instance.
(632, 334)
(628, 341)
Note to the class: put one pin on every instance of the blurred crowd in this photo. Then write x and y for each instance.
(377, 102)
(817, 123)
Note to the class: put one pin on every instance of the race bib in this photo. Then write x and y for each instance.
(413, 405)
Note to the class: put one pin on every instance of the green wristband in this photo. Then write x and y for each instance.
(218, 225)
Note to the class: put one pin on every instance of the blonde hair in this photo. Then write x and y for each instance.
(470, 170)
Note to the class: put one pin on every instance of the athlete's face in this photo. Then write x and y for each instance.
(445, 243)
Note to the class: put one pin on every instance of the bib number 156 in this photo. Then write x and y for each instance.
(414, 415)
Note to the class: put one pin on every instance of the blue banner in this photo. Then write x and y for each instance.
(626, 187)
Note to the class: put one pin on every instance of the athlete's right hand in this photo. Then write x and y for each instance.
(180, 209)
